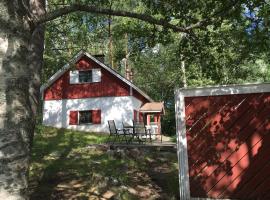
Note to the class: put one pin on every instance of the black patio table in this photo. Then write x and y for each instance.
(137, 131)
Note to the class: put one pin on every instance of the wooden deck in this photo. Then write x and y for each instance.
(164, 146)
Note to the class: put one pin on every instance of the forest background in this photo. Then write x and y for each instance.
(233, 49)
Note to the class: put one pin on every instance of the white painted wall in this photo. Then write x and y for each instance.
(56, 112)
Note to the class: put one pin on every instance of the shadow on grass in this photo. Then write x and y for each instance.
(163, 171)
(65, 165)
(51, 162)
(50, 178)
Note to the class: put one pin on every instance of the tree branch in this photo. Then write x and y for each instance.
(213, 17)
(141, 16)
(93, 9)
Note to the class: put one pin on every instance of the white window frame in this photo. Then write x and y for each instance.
(74, 76)
(96, 75)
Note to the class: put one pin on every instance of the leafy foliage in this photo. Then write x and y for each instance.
(228, 45)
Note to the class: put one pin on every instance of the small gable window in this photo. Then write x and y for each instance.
(85, 76)
(85, 117)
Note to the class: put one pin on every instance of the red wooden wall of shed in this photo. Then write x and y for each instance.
(109, 85)
(229, 146)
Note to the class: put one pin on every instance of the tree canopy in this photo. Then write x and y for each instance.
(219, 42)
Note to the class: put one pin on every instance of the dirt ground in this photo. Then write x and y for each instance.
(156, 178)
(67, 167)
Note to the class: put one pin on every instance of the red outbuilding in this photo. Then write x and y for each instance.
(224, 142)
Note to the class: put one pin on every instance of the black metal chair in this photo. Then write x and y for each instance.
(140, 132)
(116, 133)
(128, 129)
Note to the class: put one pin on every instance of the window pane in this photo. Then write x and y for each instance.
(85, 76)
(85, 117)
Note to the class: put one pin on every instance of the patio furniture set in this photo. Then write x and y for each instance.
(135, 133)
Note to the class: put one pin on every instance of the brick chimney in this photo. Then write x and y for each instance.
(100, 57)
(129, 74)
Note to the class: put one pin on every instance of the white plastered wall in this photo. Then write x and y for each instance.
(56, 112)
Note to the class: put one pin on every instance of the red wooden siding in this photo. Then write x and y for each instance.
(229, 146)
(140, 117)
(135, 115)
(96, 116)
(85, 63)
(109, 85)
(140, 97)
(73, 117)
(148, 119)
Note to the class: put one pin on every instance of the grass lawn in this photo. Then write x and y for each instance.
(69, 164)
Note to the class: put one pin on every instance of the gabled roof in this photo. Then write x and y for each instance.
(75, 59)
(153, 107)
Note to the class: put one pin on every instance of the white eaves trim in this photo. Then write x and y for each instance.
(77, 58)
(150, 111)
(60, 72)
(225, 90)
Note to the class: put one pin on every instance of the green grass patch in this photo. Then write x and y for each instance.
(68, 164)
(173, 138)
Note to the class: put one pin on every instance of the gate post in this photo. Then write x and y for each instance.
(184, 188)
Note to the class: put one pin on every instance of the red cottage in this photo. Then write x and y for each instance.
(86, 93)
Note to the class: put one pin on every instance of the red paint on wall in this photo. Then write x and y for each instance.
(156, 118)
(135, 115)
(140, 97)
(229, 145)
(86, 63)
(110, 85)
(141, 117)
(96, 116)
(73, 117)
(148, 119)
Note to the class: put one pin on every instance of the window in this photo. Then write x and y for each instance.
(85, 117)
(85, 76)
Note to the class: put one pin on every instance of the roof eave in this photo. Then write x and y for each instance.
(61, 71)
(74, 60)
(119, 76)
(147, 111)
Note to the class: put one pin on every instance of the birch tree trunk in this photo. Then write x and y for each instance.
(183, 64)
(110, 43)
(21, 49)
(183, 69)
